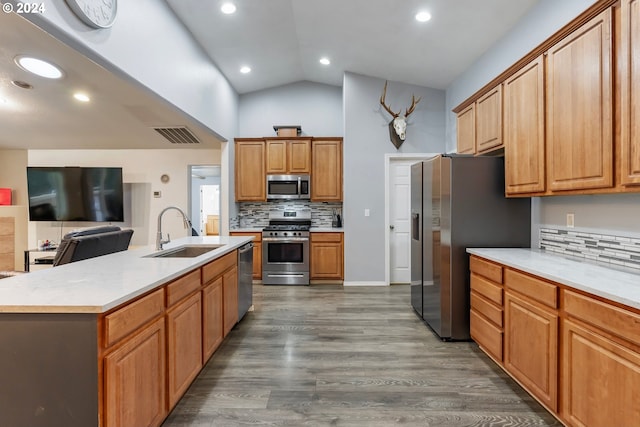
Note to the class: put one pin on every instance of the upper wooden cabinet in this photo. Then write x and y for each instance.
(466, 130)
(580, 108)
(630, 93)
(250, 173)
(524, 130)
(489, 121)
(292, 156)
(326, 179)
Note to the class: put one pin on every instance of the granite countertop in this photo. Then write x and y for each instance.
(99, 284)
(618, 285)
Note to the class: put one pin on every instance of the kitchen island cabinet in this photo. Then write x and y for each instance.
(111, 341)
(570, 334)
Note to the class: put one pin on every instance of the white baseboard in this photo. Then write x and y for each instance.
(364, 283)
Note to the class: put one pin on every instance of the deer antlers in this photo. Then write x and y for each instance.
(408, 111)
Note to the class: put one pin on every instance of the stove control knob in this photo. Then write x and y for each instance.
(286, 233)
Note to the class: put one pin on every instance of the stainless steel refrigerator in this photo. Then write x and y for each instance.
(457, 202)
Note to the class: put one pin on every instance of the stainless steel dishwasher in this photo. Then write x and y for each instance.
(245, 279)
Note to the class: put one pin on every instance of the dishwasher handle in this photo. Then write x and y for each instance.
(247, 247)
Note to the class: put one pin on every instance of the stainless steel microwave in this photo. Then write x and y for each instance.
(288, 187)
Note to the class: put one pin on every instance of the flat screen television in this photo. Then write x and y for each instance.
(75, 194)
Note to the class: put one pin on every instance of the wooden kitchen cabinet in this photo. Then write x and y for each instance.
(630, 93)
(288, 156)
(466, 130)
(184, 345)
(326, 178)
(250, 175)
(257, 252)
(212, 318)
(230, 298)
(326, 256)
(134, 380)
(487, 302)
(524, 140)
(579, 125)
(489, 121)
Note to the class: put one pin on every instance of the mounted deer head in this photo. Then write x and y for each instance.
(398, 123)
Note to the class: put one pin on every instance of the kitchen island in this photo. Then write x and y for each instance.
(566, 330)
(114, 340)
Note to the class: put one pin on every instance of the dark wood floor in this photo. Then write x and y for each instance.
(355, 356)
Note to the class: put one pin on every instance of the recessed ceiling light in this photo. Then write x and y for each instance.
(39, 67)
(82, 97)
(245, 70)
(325, 61)
(228, 8)
(423, 16)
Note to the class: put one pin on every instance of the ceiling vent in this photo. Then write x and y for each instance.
(178, 135)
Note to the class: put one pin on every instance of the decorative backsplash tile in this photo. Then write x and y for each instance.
(617, 250)
(256, 214)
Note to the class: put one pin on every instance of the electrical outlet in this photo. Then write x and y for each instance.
(570, 220)
(367, 212)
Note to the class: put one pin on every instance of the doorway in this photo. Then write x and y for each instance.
(204, 204)
(397, 215)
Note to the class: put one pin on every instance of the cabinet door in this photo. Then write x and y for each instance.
(489, 121)
(630, 93)
(326, 256)
(326, 178)
(184, 345)
(276, 157)
(579, 108)
(230, 296)
(257, 261)
(134, 380)
(212, 320)
(466, 130)
(251, 181)
(531, 348)
(600, 379)
(524, 130)
(299, 156)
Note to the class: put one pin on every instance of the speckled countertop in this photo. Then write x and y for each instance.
(96, 285)
(618, 285)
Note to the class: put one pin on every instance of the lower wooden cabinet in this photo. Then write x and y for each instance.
(531, 348)
(184, 345)
(230, 297)
(134, 380)
(487, 313)
(326, 256)
(212, 320)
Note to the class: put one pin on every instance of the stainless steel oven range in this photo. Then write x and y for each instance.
(285, 248)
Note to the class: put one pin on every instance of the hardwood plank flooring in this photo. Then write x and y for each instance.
(331, 356)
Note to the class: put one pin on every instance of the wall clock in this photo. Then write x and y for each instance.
(95, 13)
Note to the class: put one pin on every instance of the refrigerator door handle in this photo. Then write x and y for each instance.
(415, 226)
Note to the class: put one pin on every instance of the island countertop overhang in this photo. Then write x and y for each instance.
(100, 284)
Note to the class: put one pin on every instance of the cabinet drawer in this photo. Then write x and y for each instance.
(326, 237)
(487, 309)
(219, 266)
(486, 335)
(122, 322)
(536, 289)
(615, 320)
(487, 289)
(487, 269)
(182, 287)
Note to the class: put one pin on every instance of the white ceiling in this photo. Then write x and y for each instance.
(120, 114)
(282, 40)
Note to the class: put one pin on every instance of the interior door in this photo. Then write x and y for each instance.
(400, 221)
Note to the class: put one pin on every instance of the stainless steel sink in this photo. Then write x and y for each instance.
(184, 251)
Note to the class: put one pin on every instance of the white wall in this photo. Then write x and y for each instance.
(13, 174)
(316, 107)
(366, 141)
(141, 173)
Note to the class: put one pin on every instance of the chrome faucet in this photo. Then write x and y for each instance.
(159, 240)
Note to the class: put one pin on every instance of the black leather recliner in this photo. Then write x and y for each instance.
(91, 243)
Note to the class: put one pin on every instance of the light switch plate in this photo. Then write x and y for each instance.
(570, 220)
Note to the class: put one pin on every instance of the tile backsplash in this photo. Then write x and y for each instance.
(607, 248)
(256, 214)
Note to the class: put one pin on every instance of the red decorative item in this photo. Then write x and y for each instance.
(5, 196)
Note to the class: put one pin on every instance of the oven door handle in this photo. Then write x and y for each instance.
(285, 240)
